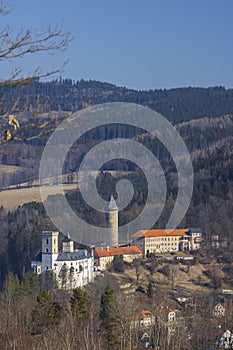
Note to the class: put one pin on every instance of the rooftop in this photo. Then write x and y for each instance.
(72, 256)
(112, 205)
(144, 314)
(160, 233)
(104, 252)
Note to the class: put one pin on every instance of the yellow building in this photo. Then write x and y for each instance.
(161, 241)
(104, 256)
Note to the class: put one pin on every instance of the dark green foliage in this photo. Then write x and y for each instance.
(45, 314)
(165, 270)
(48, 281)
(118, 263)
(192, 110)
(63, 274)
(109, 317)
(176, 104)
(79, 305)
(149, 291)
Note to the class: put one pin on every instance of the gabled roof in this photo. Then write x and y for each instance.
(144, 314)
(160, 233)
(104, 252)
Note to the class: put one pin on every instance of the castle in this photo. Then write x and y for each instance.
(75, 268)
(72, 268)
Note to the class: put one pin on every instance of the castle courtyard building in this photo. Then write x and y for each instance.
(162, 241)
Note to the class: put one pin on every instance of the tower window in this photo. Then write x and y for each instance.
(47, 250)
(47, 241)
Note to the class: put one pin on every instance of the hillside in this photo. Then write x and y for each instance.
(204, 119)
(178, 105)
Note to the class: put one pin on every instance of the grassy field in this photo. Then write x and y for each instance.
(9, 169)
(11, 199)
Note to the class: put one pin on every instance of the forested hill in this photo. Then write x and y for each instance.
(178, 105)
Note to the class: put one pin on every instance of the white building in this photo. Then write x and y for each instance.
(219, 310)
(161, 241)
(72, 268)
(144, 319)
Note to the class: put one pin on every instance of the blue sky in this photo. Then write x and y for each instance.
(138, 44)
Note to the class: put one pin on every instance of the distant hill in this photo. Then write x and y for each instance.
(178, 105)
(204, 119)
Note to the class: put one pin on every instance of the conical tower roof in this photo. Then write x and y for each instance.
(112, 205)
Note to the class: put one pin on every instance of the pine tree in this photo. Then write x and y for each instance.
(63, 274)
(79, 305)
(118, 263)
(109, 317)
(45, 314)
(150, 290)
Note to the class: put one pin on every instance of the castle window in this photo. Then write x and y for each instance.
(47, 250)
(47, 241)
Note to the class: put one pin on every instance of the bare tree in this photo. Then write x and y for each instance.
(14, 122)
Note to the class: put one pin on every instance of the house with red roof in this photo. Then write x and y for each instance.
(166, 314)
(104, 256)
(144, 319)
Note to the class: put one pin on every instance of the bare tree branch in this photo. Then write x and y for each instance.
(27, 41)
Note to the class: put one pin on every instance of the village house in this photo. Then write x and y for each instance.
(144, 319)
(219, 310)
(71, 268)
(166, 314)
(161, 241)
(167, 318)
(226, 341)
(104, 256)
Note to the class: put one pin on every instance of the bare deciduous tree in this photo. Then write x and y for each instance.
(14, 122)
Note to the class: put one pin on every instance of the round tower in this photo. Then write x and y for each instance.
(112, 215)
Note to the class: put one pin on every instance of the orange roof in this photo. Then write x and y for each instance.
(144, 314)
(159, 233)
(104, 252)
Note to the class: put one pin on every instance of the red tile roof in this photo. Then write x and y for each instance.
(143, 314)
(159, 233)
(104, 252)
